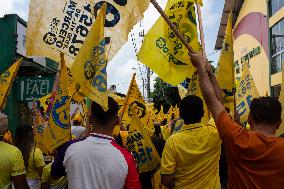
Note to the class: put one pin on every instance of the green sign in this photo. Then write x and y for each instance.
(34, 87)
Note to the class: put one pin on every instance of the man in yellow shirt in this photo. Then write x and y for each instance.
(12, 168)
(48, 183)
(190, 158)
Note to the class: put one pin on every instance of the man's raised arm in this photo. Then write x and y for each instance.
(211, 94)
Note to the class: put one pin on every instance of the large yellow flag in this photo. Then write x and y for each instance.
(39, 126)
(141, 146)
(163, 52)
(194, 89)
(225, 69)
(62, 26)
(59, 131)
(6, 82)
(281, 99)
(134, 99)
(246, 91)
(89, 68)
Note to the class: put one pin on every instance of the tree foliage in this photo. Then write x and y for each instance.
(164, 95)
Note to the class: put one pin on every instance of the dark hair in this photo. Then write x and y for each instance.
(104, 117)
(158, 130)
(266, 110)
(191, 109)
(77, 123)
(24, 140)
(227, 110)
(164, 122)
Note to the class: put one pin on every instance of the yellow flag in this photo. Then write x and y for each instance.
(281, 99)
(246, 91)
(140, 145)
(6, 82)
(194, 89)
(39, 126)
(62, 26)
(58, 131)
(163, 52)
(89, 68)
(135, 99)
(44, 101)
(225, 69)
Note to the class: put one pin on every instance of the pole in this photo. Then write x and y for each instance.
(148, 82)
(201, 29)
(172, 26)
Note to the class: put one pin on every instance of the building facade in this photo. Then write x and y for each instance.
(35, 76)
(258, 39)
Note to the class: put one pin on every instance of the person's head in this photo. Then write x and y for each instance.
(78, 120)
(164, 122)
(265, 111)
(24, 140)
(158, 130)
(191, 109)
(105, 119)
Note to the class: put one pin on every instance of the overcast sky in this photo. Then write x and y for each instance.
(124, 64)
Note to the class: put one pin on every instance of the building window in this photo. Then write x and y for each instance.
(275, 91)
(275, 5)
(277, 47)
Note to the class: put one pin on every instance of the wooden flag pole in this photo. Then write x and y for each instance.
(201, 29)
(172, 26)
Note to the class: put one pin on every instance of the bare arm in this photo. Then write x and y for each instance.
(20, 182)
(168, 181)
(218, 91)
(207, 89)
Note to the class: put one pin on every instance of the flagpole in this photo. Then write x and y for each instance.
(172, 26)
(201, 29)
(55, 85)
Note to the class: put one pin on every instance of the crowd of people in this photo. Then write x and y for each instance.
(219, 154)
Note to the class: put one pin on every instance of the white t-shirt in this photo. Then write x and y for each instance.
(77, 130)
(98, 162)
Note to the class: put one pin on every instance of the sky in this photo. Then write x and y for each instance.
(125, 63)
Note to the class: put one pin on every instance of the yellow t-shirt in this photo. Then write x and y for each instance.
(36, 160)
(11, 164)
(46, 178)
(192, 155)
(165, 132)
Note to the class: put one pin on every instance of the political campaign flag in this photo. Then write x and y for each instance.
(89, 68)
(62, 26)
(6, 82)
(44, 101)
(140, 145)
(58, 130)
(246, 91)
(182, 91)
(39, 126)
(194, 89)
(135, 99)
(163, 51)
(225, 70)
